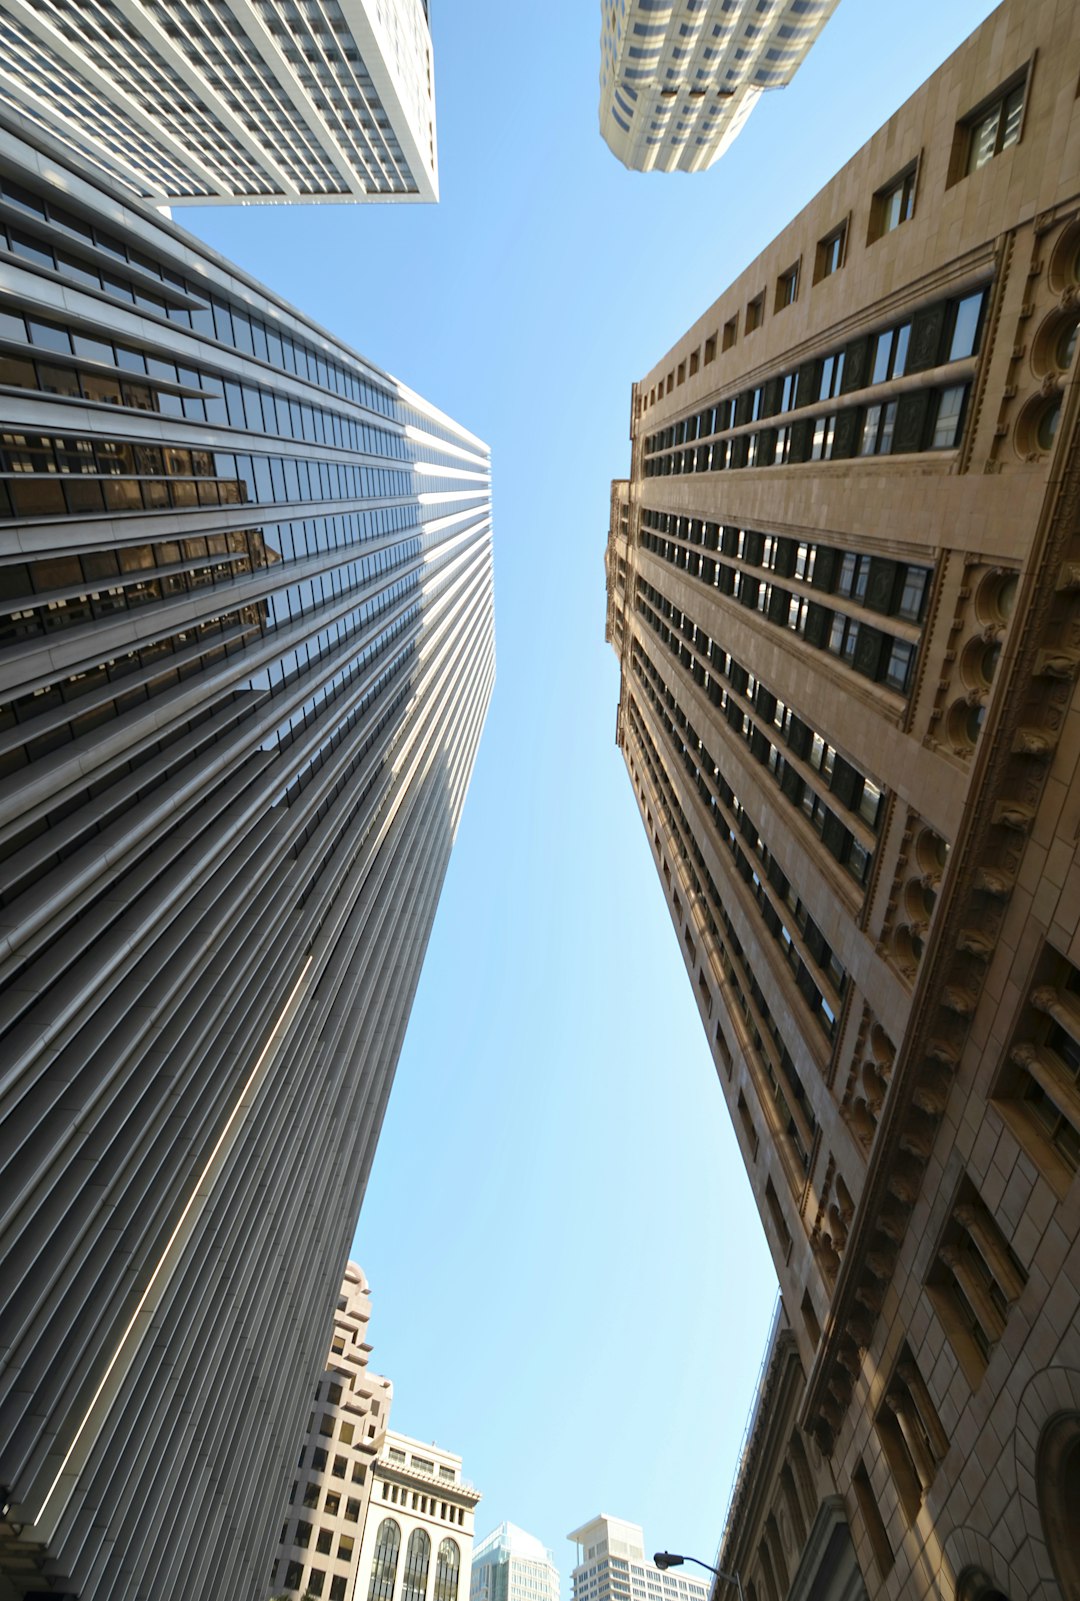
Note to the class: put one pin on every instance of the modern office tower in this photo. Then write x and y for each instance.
(612, 1566)
(418, 1539)
(329, 1498)
(844, 590)
(678, 82)
(248, 652)
(510, 1565)
(197, 103)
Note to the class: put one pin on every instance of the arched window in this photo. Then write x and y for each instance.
(417, 1561)
(1057, 1475)
(447, 1569)
(976, 1586)
(384, 1562)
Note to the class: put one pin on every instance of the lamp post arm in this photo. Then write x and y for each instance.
(728, 1578)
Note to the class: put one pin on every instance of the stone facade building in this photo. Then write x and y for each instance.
(246, 651)
(329, 1498)
(844, 590)
(418, 1540)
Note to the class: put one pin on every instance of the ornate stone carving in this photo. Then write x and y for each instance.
(1056, 664)
(993, 882)
(959, 999)
(1011, 814)
(1033, 742)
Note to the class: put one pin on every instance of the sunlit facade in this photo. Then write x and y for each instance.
(511, 1565)
(196, 102)
(419, 1536)
(611, 1565)
(678, 82)
(844, 591)
(247, 650)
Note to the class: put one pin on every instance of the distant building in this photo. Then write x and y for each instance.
(320, 1541)
(194, 103)
(612, 1566)
(418, 1539)
(510, 1565)
(677, 83)
(844, 590)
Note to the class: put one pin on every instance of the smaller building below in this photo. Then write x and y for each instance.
(511, 1565)
(612, 1566)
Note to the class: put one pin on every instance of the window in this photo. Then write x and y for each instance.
(385, 1561)
(821, 447)
(447, 1571)
(333, 1502)
(966, 319)
(302, 1537)
(911, 1434)
(995, 128)
(311, 1495)
(830, 253)
(417, 1560)
(755, 313)
(710, 349)
(974, 1281)
(949, 419)
(1041, 1083)
(731, 332)
(832, 375)
(894, 204)
(890, 353)
(324, 1540)
(879, 426)
(787, 287)
(352, 1511)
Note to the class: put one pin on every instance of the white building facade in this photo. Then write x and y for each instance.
(612, 1566)
(196, 102)
(678, 78)
(511, 1565)
(418, 1537)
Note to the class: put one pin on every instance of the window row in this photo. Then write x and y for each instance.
(738, 831)
(120, 375)
(57, 239)
(55, 475)
(947, 331)
(384, 1566)
(871, 652)
(842, 781)
(796, 1123)
(877, 583)
(924, 419)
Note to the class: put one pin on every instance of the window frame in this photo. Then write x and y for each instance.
(880, 203)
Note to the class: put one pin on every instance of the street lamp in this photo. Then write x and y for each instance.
(668, 1559)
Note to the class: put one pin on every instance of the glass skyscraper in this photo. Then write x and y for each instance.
(510, 1565)
(246, 657)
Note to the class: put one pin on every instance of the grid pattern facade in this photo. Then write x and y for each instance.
(843, 584)
(678, 78)
(511, 1565)
(612, 1566)
(246, 652)
(196, 101)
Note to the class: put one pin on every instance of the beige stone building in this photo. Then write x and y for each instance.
(844, 589)
(372, 1515)
(328, 1502)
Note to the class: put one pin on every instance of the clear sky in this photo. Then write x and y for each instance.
(571, 1287)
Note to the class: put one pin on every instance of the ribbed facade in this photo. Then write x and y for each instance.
(678, 78)
(199, 101)
(247, 653)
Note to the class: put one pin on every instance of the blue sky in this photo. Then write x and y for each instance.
(571, 1286)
